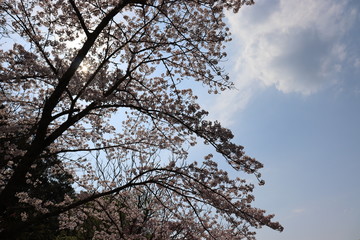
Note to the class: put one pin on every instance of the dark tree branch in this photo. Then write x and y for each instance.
(40, 142)
(80, 17)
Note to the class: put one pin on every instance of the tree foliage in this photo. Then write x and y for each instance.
(101, 86)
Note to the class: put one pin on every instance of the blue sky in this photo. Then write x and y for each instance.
(296, 66)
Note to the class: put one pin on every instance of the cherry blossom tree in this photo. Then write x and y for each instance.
(102, 85)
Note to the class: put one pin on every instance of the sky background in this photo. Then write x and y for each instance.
(296, 67)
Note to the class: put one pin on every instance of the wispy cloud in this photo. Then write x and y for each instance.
(298, 210)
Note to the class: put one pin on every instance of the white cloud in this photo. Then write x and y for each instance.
(295, 46)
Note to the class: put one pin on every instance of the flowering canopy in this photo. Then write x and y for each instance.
(69, 70)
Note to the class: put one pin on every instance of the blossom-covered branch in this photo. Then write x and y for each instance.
(94, 93)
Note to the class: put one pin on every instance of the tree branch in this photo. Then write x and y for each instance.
(80, 17)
